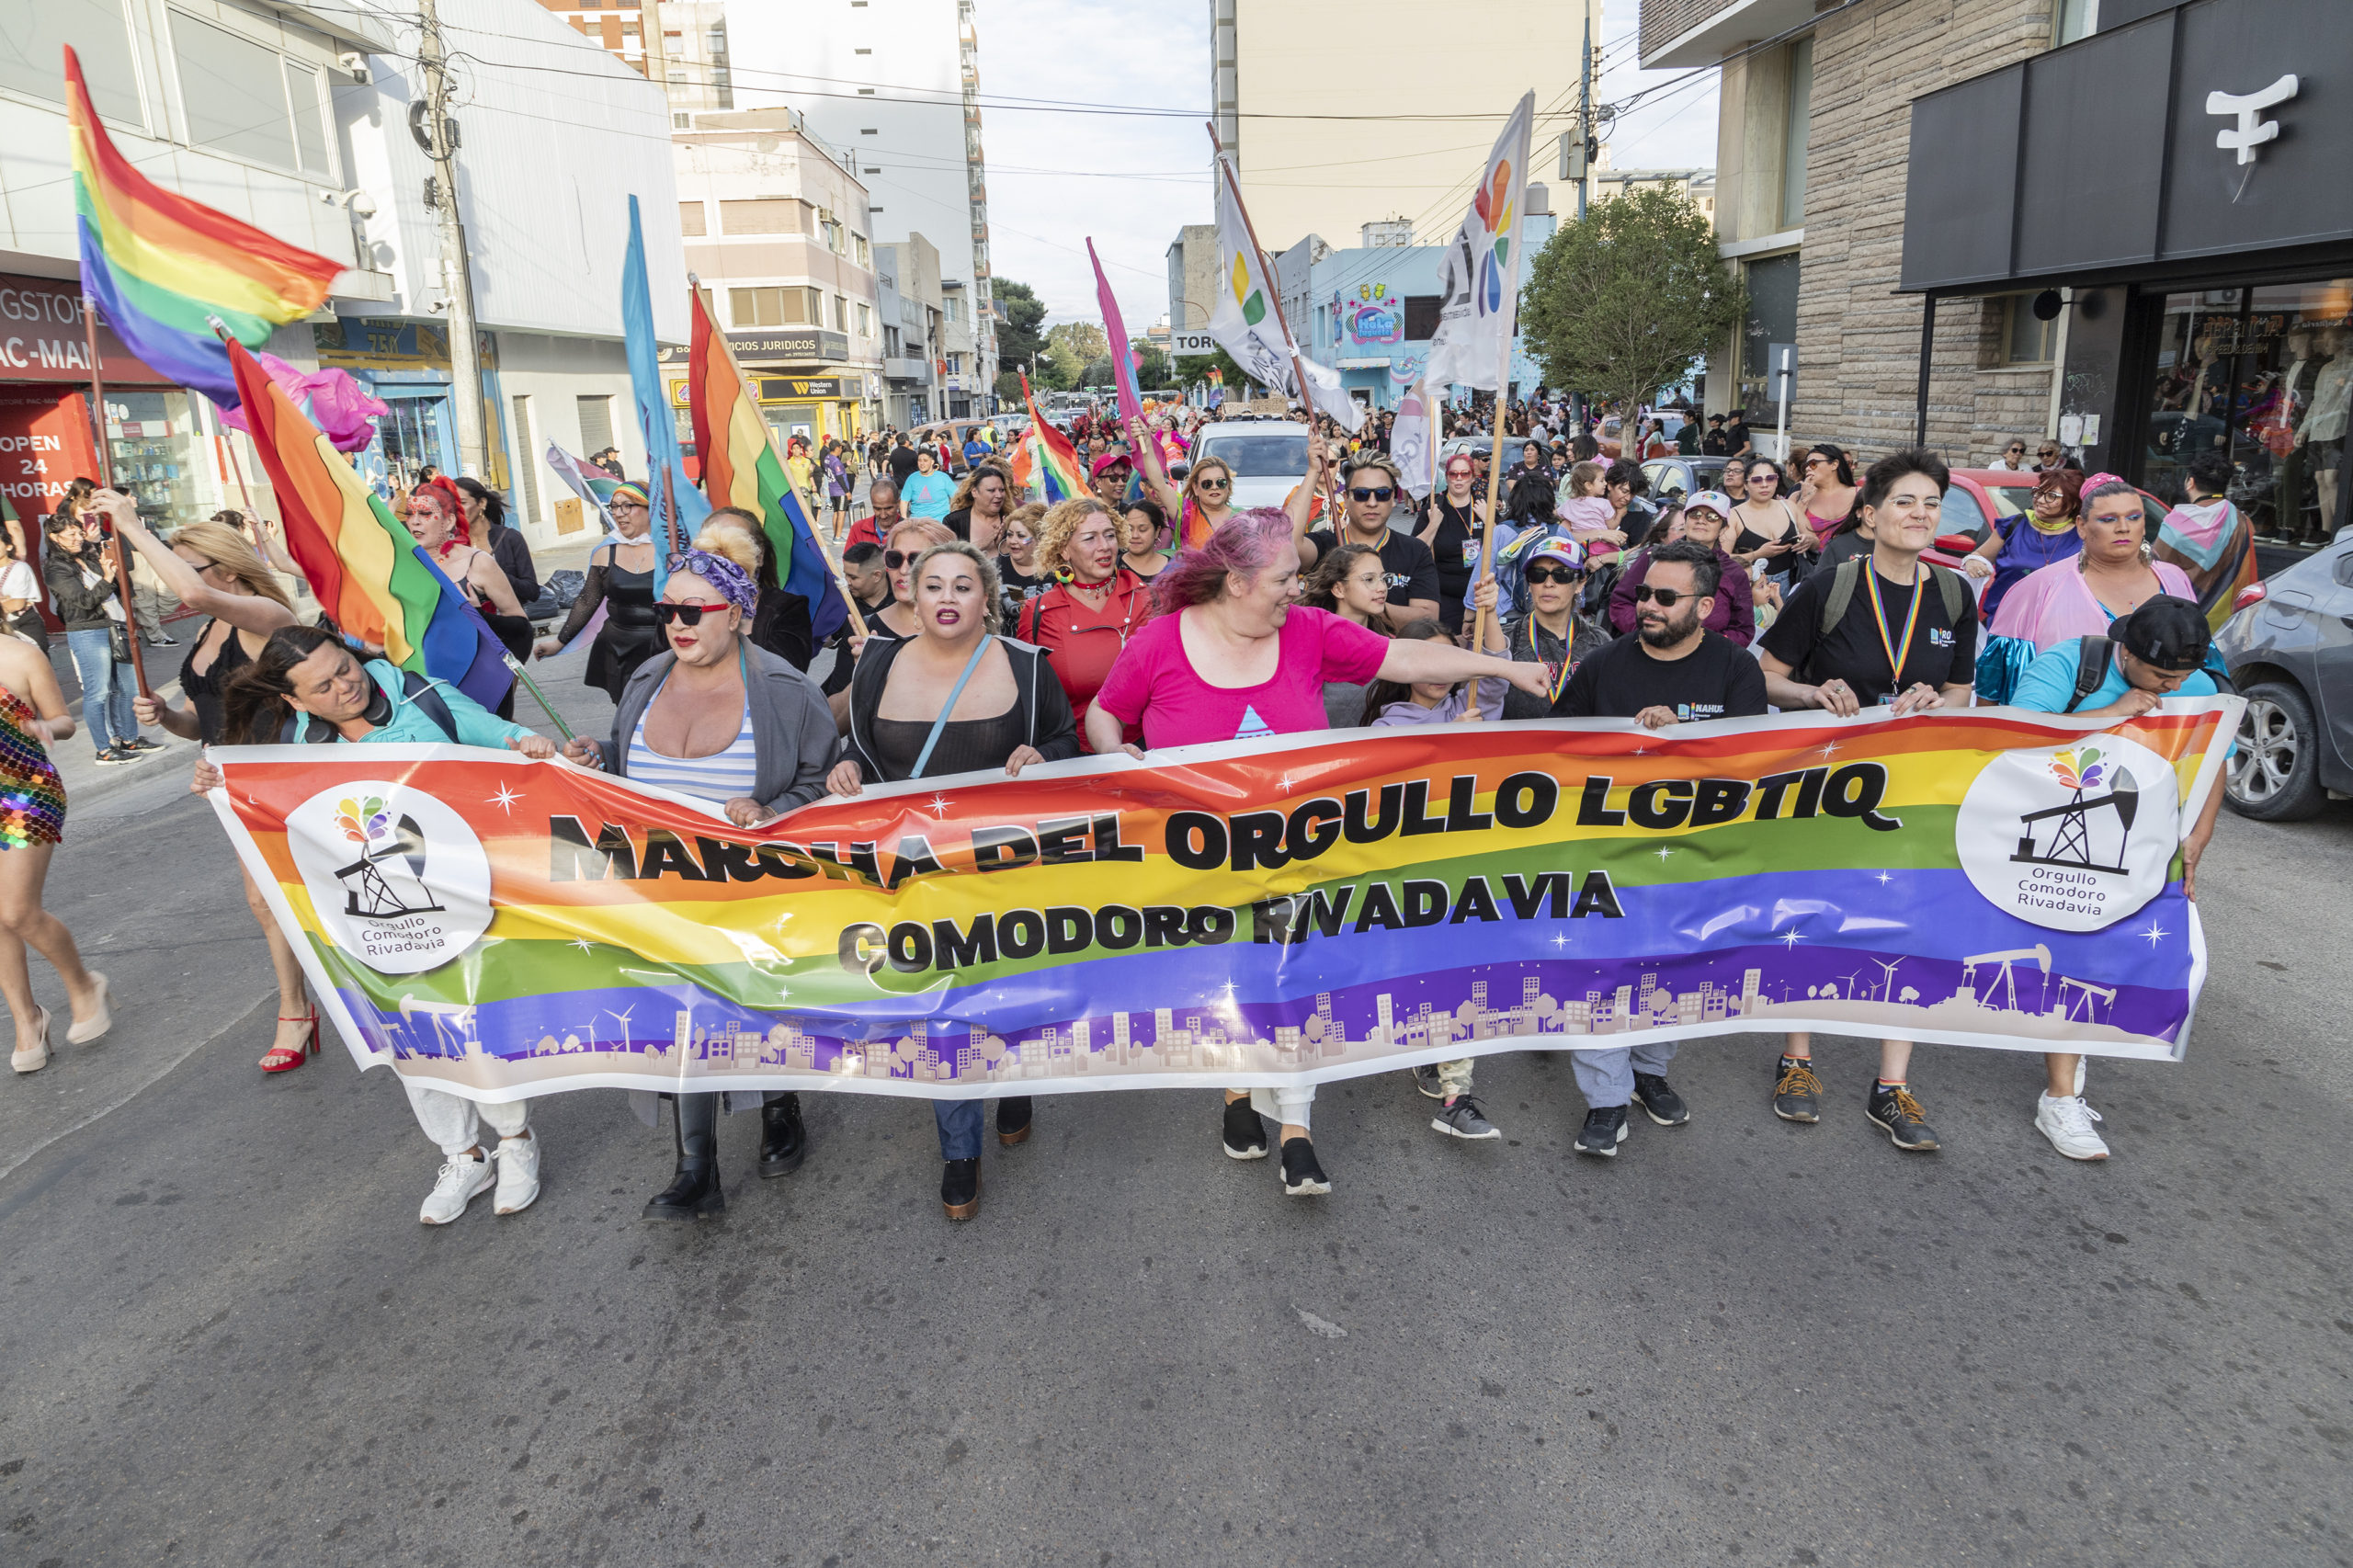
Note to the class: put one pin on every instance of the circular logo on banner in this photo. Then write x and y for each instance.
(2071, 837)
(399, 879)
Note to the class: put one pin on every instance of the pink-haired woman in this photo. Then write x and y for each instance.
(1229, 656)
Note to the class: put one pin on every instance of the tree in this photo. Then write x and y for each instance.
(1097, 373)
(1019, 339)
(1009, 386)
(1197, 367)
(1624, 299)
(1074, 346)
(1156, 370)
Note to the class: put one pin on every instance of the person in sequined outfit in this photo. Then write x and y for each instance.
(32, 821)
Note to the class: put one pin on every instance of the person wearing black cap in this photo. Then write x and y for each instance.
(1713, 443)
(2158, 651)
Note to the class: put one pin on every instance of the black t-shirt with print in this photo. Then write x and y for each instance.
(1718, 679)
(1412, 569)
(1940, 653)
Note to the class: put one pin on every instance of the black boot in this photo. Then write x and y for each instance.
(1013, 1120)
(783, 1144)
(693, 1193)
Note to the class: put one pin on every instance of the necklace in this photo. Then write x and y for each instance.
(1911, 621)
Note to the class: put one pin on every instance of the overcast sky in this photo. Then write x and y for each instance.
(1131, 181)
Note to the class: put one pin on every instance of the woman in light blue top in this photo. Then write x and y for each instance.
(307, 687)
(718, 718)
(927, 492)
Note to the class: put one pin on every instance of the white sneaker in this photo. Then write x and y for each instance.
(462, 1178)
(518, 1174)
(2068, 1124)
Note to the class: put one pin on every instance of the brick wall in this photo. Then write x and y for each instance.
(1857, 341)
(1663, 21)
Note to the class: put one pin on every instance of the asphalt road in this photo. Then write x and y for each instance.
(229, 1340)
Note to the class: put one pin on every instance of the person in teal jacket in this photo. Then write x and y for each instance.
(308, 686)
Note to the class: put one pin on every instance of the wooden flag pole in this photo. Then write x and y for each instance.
(105, 477)
(719, 340)
(1496, 427)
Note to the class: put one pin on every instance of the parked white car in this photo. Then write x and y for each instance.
(1268, 457)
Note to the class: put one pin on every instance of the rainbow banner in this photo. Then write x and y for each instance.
(162, 267)
(1319, 907)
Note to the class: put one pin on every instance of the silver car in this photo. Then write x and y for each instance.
(2289, 649)
(1268, 457)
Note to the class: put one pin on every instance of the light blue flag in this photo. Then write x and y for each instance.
(667, 488)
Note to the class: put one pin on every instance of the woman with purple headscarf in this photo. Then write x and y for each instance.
(716, 717)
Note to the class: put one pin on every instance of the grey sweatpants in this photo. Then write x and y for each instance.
(1606, 1078)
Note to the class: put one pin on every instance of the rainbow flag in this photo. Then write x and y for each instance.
(740, 468)
(1058, 467)
(372, 578)
(162, 268)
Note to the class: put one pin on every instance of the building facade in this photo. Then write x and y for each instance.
(914, 364)
(336, 169)
(896, 83)
(2200, 291)
(1812, 133)
(776, 230)
(1323, 148)
(235, 107)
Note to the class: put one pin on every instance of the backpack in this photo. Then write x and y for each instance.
(2092, 654)
(416, 687)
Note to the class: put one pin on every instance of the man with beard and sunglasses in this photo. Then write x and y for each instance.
(1372, 489)
(1673, 671)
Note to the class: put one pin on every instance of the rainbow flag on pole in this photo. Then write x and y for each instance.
(162, 268)
(367, 573)
(1055, 459)
(740, 468)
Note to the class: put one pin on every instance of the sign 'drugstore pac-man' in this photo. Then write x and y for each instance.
(1247, 913)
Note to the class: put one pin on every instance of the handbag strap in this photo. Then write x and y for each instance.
(924, 757)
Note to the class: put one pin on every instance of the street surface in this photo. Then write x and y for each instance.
(231, 1341)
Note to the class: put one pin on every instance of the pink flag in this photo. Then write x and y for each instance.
(1123, 364)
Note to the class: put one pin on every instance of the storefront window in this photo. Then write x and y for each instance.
(150, 440)
(1772, 326)
(2263, 378)
(413, 433)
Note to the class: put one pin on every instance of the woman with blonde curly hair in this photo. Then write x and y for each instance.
(955, 697)
(212, 569)
(1096, 604)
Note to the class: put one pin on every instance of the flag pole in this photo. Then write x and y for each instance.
(832, 566)
(1495, 424)
(1274, 285)
(105, 477)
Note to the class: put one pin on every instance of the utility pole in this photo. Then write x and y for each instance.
(657, 53)
(437, 134)
(1585, 111)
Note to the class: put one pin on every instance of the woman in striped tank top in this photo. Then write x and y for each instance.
(722, 720)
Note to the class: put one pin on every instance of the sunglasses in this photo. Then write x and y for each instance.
(1666, 599)
(1367, 493)
(1554, 575)
(685, 615)
(1458, 474)
(2048, 452)
(2017, 451)
(1213, 484)
(894, 558)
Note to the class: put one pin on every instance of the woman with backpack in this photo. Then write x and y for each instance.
(307, 687)
(1883, 629)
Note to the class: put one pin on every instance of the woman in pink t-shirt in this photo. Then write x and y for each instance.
(1230, 657)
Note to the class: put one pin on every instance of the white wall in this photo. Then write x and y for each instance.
(554, 136)
(554, 373)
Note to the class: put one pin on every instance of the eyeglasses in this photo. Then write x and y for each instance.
(2016, 451)
(1555, 575)
(1666, 599)
(685, 615)
(894, 558)
(1369, 493)
(2048, 452)
(627, 506)
(1213, 485)
(1458, 474)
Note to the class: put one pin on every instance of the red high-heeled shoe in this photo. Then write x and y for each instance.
(269, 1062)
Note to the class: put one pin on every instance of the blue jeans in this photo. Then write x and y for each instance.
(106, 692)
(959, 1129)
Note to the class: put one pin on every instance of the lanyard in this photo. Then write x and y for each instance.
(949, 706)
(1896, 651)
(1568, 654)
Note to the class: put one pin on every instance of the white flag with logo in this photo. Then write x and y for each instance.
(1479, 279)
(1413, 440)
(1246, 324)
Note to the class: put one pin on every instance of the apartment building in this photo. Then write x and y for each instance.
(778, 232)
